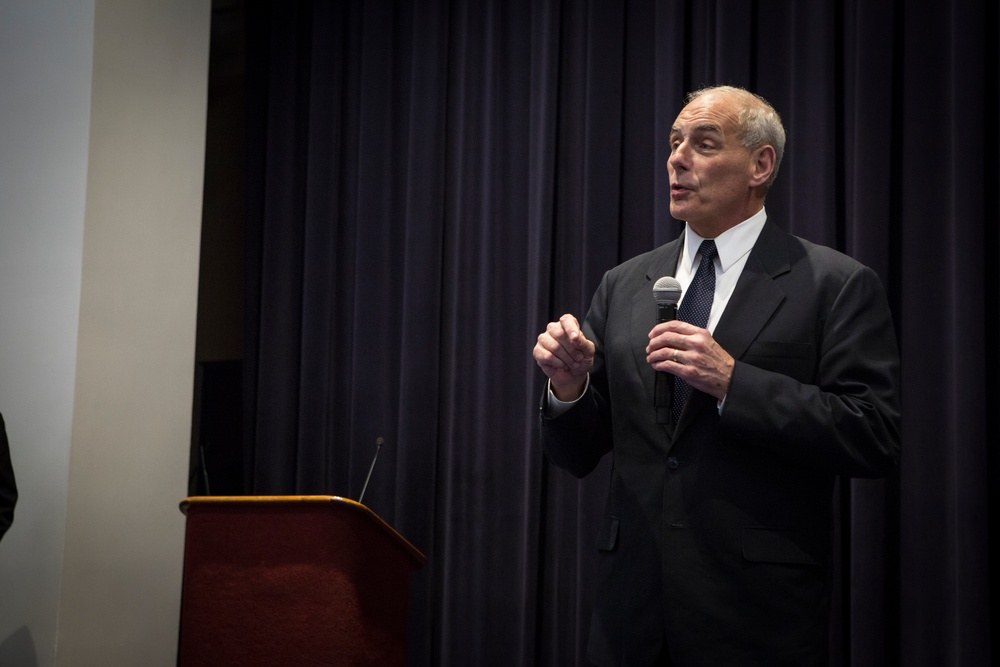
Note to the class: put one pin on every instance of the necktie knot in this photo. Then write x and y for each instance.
(708, 251)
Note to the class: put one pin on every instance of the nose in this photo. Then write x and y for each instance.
(679, 155)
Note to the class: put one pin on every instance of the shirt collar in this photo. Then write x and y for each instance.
(731, 244)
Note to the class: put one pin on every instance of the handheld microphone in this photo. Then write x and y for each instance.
(666, 292)
(379, 441)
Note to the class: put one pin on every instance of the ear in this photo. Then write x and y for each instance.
(761, 165)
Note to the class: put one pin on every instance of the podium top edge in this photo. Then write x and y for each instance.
(289, 501)
(228, 500)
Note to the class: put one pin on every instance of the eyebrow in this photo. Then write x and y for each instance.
(706, 127)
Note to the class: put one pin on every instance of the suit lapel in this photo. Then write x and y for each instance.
(752, 304)
(756, 296)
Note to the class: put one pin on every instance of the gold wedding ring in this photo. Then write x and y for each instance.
(674, 357)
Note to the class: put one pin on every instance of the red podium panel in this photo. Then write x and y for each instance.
(292, 580)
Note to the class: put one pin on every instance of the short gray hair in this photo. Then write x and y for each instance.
(759, 124)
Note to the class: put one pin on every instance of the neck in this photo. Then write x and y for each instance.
(710, 229)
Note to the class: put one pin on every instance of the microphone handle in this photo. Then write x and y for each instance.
(666, 312)
(663, 388)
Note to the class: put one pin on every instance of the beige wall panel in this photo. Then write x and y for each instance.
(121, 579)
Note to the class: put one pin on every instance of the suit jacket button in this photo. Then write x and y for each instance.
(673, 463)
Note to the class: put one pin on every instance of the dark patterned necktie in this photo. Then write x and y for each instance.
(695, 309)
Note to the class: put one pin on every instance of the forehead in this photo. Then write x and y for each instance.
(709, 112)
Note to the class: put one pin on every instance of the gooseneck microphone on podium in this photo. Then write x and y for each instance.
(379, 441)
(666, 293)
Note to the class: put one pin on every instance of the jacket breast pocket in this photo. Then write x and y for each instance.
(796, 360)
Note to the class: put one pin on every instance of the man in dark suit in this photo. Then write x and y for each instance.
(716, 544)
(8, 490)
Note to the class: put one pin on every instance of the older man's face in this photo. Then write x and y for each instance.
(710, 172)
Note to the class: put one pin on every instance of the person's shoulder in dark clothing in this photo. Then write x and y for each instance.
(8, 488)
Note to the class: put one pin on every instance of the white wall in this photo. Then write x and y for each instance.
(102, 120)
(45, 74)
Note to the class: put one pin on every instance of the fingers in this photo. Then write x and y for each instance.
(676, 345)
(667, 337)
(574, 339)
(678, 327)
(692, 354)
(570, 338)
(563, 346)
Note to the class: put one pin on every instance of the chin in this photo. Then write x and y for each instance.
(679, 213)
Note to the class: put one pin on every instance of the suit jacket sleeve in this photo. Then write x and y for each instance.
(579, 438)
(827, 399)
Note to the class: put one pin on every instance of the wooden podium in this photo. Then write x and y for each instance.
(292, 580)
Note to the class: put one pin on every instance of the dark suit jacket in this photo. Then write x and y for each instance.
(8, 490)
(717, 536)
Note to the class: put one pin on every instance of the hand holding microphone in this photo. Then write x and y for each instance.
(689, 352)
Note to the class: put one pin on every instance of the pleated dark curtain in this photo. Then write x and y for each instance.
(430, 182)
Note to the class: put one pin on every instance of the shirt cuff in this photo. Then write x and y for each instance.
(557, 407)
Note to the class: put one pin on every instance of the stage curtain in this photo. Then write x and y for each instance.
(430, 182)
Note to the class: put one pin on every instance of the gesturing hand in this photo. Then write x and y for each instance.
(565, 356)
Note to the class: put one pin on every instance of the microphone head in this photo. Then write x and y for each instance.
(667, 291)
